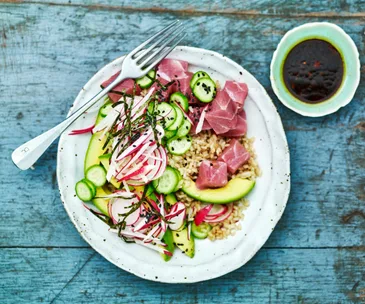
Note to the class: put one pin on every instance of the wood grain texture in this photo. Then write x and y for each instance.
(297, 8)
(272, 276)
(48, 51)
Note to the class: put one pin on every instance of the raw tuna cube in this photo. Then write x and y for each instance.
(212, 174)
(170, 69)
(240, 128)
(125, 86)
(235, 155)
(236, 91)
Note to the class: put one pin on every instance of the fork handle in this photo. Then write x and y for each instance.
(27, 154)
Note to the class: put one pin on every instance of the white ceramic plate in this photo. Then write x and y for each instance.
(212, 259)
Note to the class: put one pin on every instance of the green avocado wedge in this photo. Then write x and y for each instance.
(94, 150)
(183, 243)
(101, 203)
(235, 189)
(168, 240)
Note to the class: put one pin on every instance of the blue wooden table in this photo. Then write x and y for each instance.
(48, 50)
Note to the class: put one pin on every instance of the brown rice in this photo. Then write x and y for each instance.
(207, 145)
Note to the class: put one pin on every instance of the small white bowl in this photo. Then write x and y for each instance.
(350, 56)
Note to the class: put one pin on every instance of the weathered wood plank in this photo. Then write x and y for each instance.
(298, 8)
(48, 52)
(273, 276)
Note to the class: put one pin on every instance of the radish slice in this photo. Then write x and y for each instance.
(177, 221)
(144, 225)
(135, 145)
(162, 211)
(217, 210)
(82, 131)
(189, 231)
(119, 193)
(120, 206)
(222, 217)
(201, 214)
(199, 126)
(151, 233)
(93, 208)
(153, 204)
(154, 247)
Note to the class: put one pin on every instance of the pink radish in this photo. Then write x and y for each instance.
(120, 206)
(216, 211)
(154, 247)
(222, 217)
(178, 220)
(82, 131)
(189, 231)
(136, 145)
(162, 211)
(201, 214)
(201, 120)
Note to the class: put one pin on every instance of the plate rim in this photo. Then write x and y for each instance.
(233, 266)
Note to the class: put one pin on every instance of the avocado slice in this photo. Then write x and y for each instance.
(168, 240)
(235, 189)
(181, 241)
(101, 203)
(94, 150)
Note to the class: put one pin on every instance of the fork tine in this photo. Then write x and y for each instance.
(141, 46)
(165, 53)
(159, 40)
(163, 46)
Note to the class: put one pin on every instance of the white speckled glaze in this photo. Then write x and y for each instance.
(212, 259)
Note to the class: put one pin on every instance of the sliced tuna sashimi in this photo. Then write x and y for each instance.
(235, 155)
(236, 91)
(240, 128)
(212, 174)
(221, 116)
(170, 69)
(125, 86)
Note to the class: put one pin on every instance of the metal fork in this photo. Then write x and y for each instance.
(136, 64)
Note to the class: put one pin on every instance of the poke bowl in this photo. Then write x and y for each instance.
(179, 176)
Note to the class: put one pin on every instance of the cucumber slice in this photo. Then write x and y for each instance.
(105, 109)
(178, 120)
(170, 134)
(201, 231)
(184, 129)
(196, 77)
(181, 99)
(166, 114)
(167, 182)
(146, 81)
(179, 184)
(83, 191)
(97, 175)
(205, 89)
(178, 146)
(91, 185)
(171, 199)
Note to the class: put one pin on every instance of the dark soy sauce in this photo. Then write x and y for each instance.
(313, 71)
